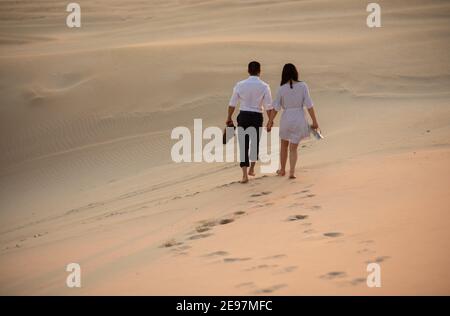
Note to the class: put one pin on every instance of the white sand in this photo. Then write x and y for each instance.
(86, 174)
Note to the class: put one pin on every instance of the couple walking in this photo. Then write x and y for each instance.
(254, 96)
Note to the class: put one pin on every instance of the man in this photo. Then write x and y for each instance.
(254, 97)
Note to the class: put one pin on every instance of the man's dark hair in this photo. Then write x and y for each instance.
(254, 68)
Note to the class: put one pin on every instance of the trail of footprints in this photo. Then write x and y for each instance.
(204, 230)
(341, 277)
(22, 241)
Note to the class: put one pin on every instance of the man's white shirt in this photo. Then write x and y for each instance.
(252, 94)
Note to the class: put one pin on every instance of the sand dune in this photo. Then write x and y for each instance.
(85, 122)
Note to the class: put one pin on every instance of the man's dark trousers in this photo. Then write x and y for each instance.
(247, 120)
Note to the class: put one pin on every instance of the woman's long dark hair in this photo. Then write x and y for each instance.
(289, 74)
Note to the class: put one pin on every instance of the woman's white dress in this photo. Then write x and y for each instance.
(293, 125)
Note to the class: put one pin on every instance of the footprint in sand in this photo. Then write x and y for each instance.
(262, 266)
(260, 205)
(296, 218)
(171, 243)
(180, 250)
(217, 253)
(226, 221)
(287, 269)
(239, 213)
(306, 196)
(227, 184)
(260, 194)
(333, 234)
(228, 260)
(378, 259)
(245, 284)
(279, 256)
(270, 289)
(182, 247)
(333, 275)
(365, 251)
(39, 235)
(205, 226)
(199, 236)
(357, 281)
(202, 229)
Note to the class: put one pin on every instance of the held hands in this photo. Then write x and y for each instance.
(269, 126)
(229, 122)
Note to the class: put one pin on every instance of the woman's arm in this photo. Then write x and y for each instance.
(311, 112)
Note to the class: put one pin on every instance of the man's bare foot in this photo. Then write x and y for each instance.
(244, 180)
(281, 173)
(251, 170)
(292, 176)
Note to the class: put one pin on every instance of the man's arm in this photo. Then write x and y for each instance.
(230, 115)
(232, 105)
(269, 115)
(268, 105)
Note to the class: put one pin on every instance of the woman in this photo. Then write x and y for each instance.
(292, 96)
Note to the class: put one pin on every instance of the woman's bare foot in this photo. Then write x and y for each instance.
(281, 173)
(292, 176)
